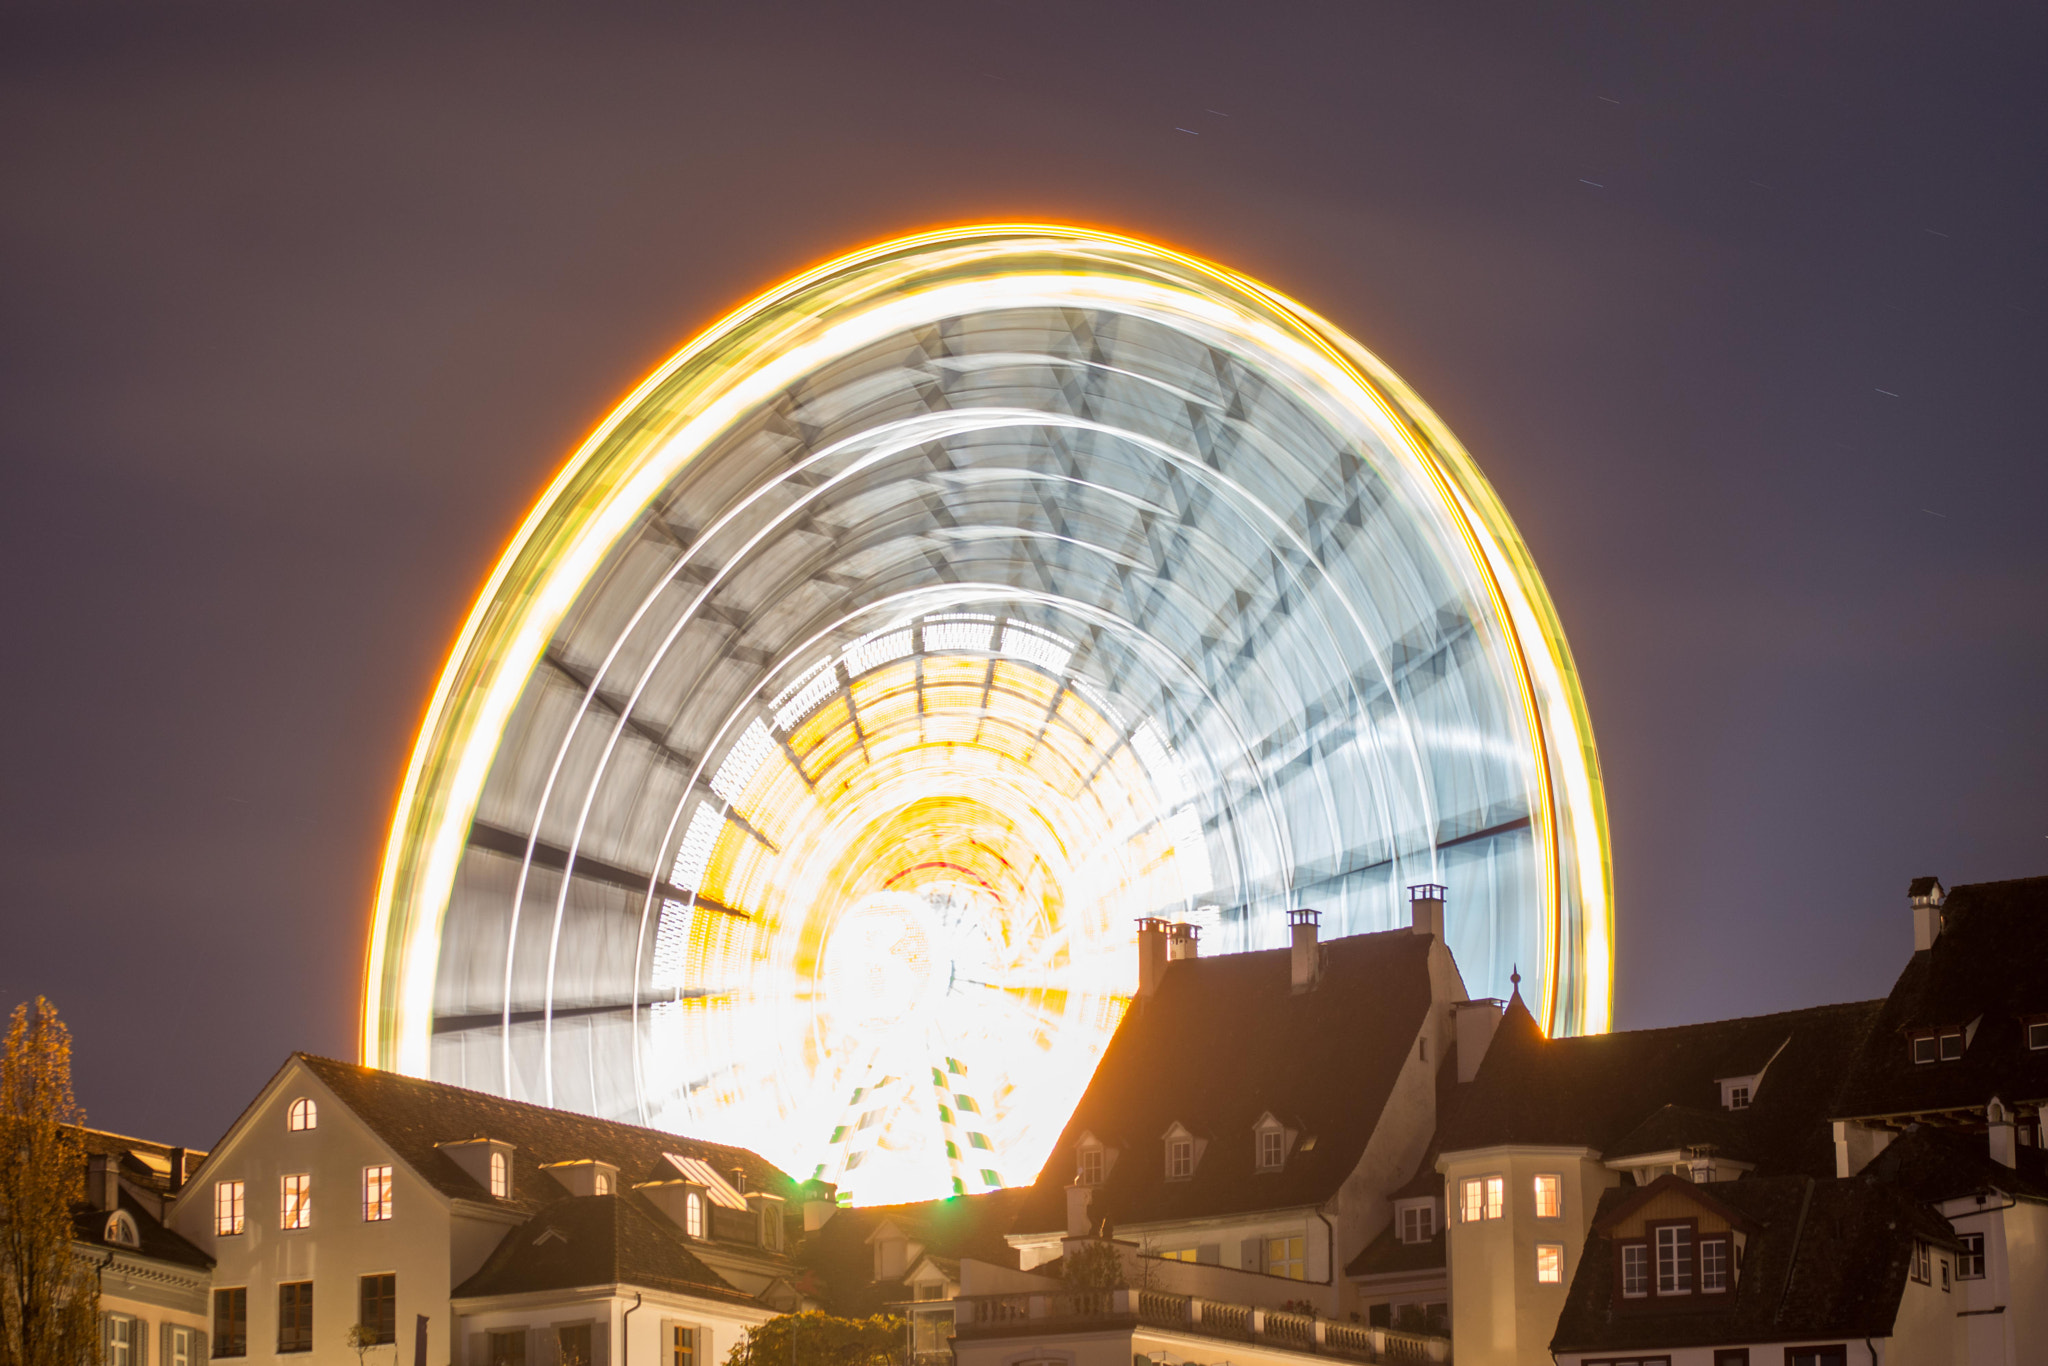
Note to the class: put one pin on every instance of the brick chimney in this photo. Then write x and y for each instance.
(1925, 896)
(1151, 955)
(180, 1170)
(1308, 957)
(1426, 909)
(103, 1181)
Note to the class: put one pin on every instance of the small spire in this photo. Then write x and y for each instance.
(1515, 977)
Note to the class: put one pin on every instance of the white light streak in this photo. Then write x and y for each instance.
(872, 652)
(1035, 646)
(800, 698)
(958, 634)
(745, 760)
(695, 851)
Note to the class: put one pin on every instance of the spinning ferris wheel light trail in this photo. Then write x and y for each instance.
(799, 776)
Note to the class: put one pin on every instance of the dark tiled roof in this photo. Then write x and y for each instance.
(596, 1240)
(1986, 962)
(1685, 1126)
(1922, 886)
(841, 1260)
(1595, 1091)
(143, 1163)
(1388, 1255)
(1933, 1165)
(1829, 1259)
(1223, 1041)
(413, 1116)
(165, 1245)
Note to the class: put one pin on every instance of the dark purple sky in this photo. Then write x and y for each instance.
(1741, 308)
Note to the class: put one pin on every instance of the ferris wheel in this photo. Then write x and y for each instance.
(801, 772)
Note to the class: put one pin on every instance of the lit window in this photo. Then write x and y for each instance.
(1418, 1224)
(295, 1316)
(1549, 1263)
(1951, 1047)
(1180, 1159)
(378, 1308)
(604, 1184)
(231, 1322)
(1713, 1265)
(1089, 1169)
(682, 1346)
(1549, 1197)
(501, 1176)
(1178, 1254)
(376, 1193)
(295, 1203)
(1286, 1257)
(2037, 1034)
(120, 1340)
(1923, 1049)
(1272, 1148)
(1471, 1197)
(304, 1114)
(1738, 1097)
(693, 1215)
(1496, 1197)
(1635, 1270)
(1970, 1265)
(227, 1207)
(1674, 1260)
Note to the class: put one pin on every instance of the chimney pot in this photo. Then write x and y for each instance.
(2004, 1146)
(1307, 960)
(1426, 909)
(1183, 941)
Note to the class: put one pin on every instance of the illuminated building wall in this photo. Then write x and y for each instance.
(799, 776)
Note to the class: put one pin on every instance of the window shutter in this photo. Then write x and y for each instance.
(140, 1332)
(202, 1345)
(166, 1346)
(665, 1354)
(479, 1349)
(599, 1332)
(1252, 1257)
(543, 1348)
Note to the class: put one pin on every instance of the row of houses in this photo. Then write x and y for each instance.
(1327, 1150)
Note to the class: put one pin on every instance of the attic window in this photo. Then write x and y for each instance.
(303, 1114)
(2037, 1034)
(1923, 1049)
(1180, 1159)
(1088, 1170)
(1418, 1223)
(1951, 1047)
(1738, 1097)
(1272, 1149)
(501, 1176)
(121, 1229)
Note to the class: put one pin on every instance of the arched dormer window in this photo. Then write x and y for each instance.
(121, 1229)
(501, 1176)
(693, 1215)
(303, 1114)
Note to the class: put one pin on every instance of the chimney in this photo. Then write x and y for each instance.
(1426, 909)
(1151, 955)
(1308, 957)
(1182, 941)
(1473, 1023)
(821, 1202)
(103, 1181)
(178, 1172)
(1926, 895)
(2003, 1145)
(1078, 1197)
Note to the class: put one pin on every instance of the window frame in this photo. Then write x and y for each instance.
(295, 1202)
(1641, 1247)
(1921, 1268)
(1556, 1267)
(1294, 1253)
(1423, 1216)
(491, 1338)
(302, 1115)
(235, 1196)
(1924, 1044)
(1685, 1267)
(1272, 1149)
(499, 1169)
(1180, 1159)
(377, 1183)
(364, 1301)
(1972, 1255)
(1738, 1097)
(1496, 1197)
(1472, 1199)
(1556, 1188)
(121, 1347)
(229, 1344)
(675, 1350)
(2036, 1035)
(1088, 1165)
(301, 1318)
(1951, 1036)
(1722, 1244)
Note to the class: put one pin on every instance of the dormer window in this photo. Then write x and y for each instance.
(2037, 1034)
(1951, 1046)
(1418, 1223)
(1183, 1152)
(501, 1177)
(303, 1114)
(121, 1229)
(1738, 1097)
(693, 1215)
(1088, 1170)
(1272, 1149)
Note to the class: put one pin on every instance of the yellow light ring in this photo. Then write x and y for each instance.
(728, 370)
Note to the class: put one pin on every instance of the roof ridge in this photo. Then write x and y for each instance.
(1805, 1011)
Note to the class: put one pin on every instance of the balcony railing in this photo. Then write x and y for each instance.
(994, 1316)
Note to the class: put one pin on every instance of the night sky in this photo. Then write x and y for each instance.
(1741, 309)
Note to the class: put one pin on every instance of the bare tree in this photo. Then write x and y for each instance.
(49, 1311)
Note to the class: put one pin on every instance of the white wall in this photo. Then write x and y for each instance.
(719, 1325)
(1500, 1314)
